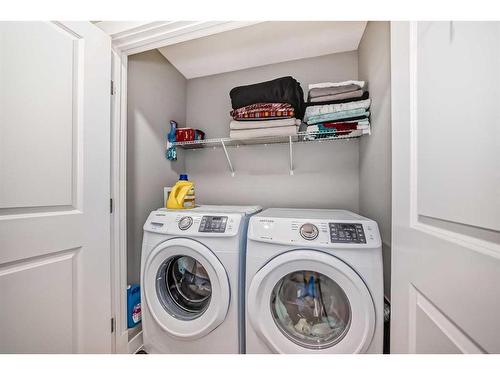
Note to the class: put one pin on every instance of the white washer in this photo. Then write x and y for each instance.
(190, 277)
(314, 283)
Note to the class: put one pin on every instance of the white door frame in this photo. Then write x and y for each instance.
(129, 38)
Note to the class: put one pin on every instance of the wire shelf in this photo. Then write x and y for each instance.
(300, 137)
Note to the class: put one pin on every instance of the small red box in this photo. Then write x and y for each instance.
(184, 134)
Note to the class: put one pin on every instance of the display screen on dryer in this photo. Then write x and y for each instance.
(347, 233)
(213, 224)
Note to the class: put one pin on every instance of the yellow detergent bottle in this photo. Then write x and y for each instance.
(182, 194)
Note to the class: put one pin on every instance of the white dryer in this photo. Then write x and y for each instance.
(314, 283)
(190, 277)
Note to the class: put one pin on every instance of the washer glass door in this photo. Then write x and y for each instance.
(186, 288)
(183, 286)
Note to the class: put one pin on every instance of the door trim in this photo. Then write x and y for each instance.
(136, 37)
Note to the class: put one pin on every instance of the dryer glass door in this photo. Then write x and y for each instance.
(311, 309)
(308, 301)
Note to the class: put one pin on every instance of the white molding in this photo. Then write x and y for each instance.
(119, 195)
(142, 37)
(115, 27)
(413, 58)
(459, 338)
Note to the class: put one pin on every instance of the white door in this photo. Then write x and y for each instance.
(54, 188)
(318, 305)
(446, 187)
(186, 288)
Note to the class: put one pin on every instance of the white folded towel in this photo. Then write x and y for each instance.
(260, 124)
(361, 84)
(263, 132)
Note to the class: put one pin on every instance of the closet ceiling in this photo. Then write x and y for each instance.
(261, 44)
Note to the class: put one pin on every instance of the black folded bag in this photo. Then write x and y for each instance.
(279, 90)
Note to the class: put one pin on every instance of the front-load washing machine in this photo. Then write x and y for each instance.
(190, 275)
(314, 283)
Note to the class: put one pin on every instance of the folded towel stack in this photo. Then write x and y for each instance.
(266, 109)
(338, 107)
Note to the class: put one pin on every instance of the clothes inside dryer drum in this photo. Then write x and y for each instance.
(310, 309)
(184, 287)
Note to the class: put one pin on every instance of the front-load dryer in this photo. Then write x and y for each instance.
(314, 283)
(190, 275)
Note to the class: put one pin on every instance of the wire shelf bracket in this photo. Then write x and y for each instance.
(231, 168)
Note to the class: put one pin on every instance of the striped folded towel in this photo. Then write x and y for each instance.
(263, 111)
(318, 110)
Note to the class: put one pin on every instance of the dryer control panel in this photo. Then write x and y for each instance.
(314, 232)
(347, 233)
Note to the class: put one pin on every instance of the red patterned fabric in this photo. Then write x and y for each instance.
(265, 115)
(342, 126)
(263, 111)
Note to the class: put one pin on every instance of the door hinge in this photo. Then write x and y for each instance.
(112, 325)
(111, 205)
(112, 88)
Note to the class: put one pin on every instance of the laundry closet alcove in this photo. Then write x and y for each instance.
(183, 71)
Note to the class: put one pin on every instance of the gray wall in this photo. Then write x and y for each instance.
(156, 95)
(374, 59)
(326, 174)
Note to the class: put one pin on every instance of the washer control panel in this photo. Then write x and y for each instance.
(185, 222)
(194, 224)
(309, 231)
(347, 233)
(213, 224)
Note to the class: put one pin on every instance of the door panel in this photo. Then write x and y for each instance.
(44, 306)
(446, 213)
(430, 338)
(41, 87)
(432, 332)
(54, 188)
(457, 94)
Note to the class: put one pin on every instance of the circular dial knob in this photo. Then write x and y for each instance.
(185, 222)
(309, 231)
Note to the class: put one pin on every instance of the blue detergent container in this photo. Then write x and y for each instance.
(134, 313)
